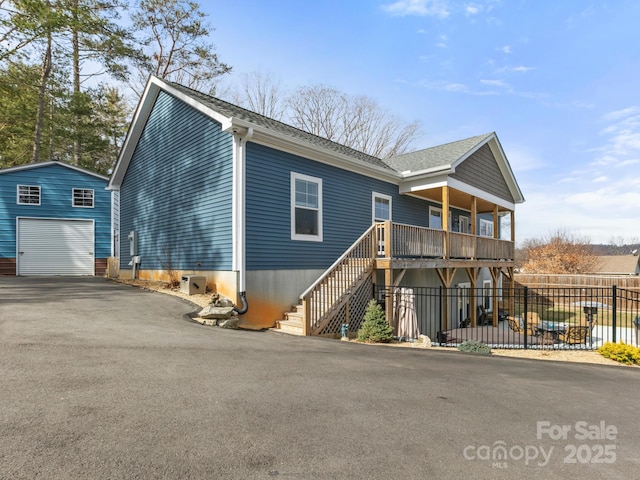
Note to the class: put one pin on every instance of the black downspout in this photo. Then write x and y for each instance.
(245, 305)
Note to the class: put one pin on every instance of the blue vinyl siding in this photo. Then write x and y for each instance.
(177, 191)
(347, 210)
(56, 183)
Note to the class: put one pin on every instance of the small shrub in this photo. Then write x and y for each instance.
(375, 328)
(621, 352)
(473, 346)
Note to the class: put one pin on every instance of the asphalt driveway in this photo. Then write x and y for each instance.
(102, 380)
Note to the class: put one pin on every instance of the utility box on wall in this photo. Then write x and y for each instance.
(193, 284)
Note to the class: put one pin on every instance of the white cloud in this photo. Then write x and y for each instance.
(424, 8)
(621, 145)
(505, 49)
(455, 87)
(516, 69)
(495, 83)
(597, 214)
(472, 9)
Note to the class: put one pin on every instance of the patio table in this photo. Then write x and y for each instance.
(550, 330)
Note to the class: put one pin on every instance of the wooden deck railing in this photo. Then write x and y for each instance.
(333, 288)
(396, 240)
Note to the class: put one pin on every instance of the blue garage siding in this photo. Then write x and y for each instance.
(347, 199)
(177, 191)
(56, 183)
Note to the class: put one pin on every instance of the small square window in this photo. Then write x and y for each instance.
(82, 197)
(28, 195)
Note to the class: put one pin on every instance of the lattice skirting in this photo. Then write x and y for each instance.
(353, 311)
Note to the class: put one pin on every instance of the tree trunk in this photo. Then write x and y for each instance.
(76, 84)
(44, 79)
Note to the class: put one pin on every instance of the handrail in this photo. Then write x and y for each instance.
(329, 292)
(335, 264)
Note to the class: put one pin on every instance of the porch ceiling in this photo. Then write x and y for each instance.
(458, 199)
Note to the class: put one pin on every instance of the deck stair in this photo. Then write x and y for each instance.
(328, 295)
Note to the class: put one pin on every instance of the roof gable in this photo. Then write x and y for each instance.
(436, 158)
(31, 166)
(407, 170)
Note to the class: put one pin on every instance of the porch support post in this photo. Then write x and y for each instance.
(472, 273)
(474, 214)
(513, 226)
(446, 277)
(512, 295)
(388, 297)
(445, 219)
(496, 222)
(495, 275)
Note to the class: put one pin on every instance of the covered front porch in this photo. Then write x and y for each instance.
(482, 236)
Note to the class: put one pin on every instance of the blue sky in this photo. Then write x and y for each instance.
(559, 81)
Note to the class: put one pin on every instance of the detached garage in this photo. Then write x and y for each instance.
(55, 219)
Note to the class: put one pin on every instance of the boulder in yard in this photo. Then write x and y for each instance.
(220, 313)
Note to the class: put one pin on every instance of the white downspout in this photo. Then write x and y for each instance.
(240, 139)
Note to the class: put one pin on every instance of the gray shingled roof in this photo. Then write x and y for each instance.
(617, 264)
(233, 111)
(439, 156)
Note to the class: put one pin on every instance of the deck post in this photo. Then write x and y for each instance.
(446, 277)
(472, 273)
(445, 220)
(495, 275)
(388, 297)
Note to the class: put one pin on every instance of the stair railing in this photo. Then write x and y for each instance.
(328, 291)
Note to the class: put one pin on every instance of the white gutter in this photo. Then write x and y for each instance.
(238, 198)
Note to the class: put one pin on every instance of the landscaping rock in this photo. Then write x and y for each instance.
(231, 323)
(218, 300)
(423, 341)
(211, 311)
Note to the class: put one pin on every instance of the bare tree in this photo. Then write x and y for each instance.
(559, 253)
(262, 93)
(355, 121)
(174, 34)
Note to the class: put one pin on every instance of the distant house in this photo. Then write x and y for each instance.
(618, 265)
(280, 217)
(55, 219)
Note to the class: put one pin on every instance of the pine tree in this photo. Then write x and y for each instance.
(375, 328)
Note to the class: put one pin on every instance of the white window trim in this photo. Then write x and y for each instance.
(374, 196)
(73, 197)
(18, 202)
(295, 236)
(489, 227)
(463, 220)
(435, 209)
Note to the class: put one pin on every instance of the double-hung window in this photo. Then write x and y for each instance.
(28, 195)
(381, 207)
(306, 208)
(82, 197)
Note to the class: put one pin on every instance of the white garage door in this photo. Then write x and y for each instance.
(55, 247)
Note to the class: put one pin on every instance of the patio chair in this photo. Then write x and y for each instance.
(514, 324)
(533, 323)
(574, 334)
(483, 318)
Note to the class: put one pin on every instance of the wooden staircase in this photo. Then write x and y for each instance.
(293, 322)
(324, 299)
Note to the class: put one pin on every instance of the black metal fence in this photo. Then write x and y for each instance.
(521, 317)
